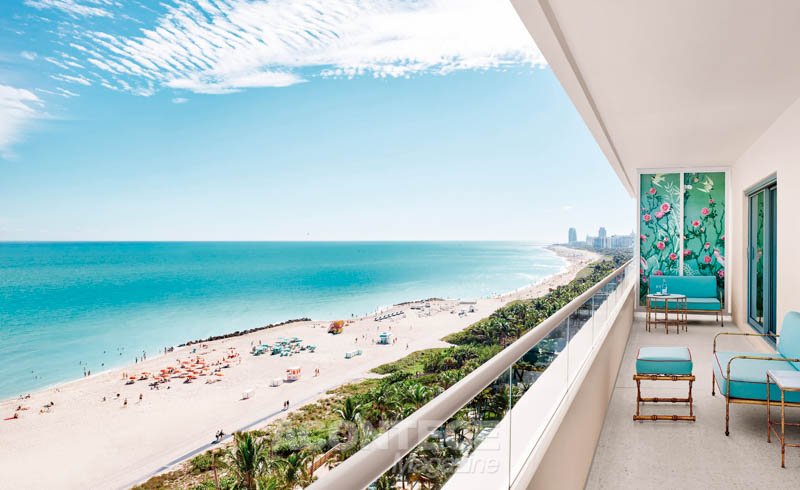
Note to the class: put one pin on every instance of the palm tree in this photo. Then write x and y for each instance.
(384, 400)
(294, 469)
(417, 395)
(350, 411)
(386, 482)
(432, 463)
(247, 460)
(269, 483)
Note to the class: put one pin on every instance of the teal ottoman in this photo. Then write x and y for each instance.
(663, 364)
(664, 360)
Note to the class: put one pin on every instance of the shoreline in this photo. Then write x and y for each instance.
(560, 250)
(128, 444)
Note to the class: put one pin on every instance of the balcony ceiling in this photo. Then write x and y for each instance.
(671, 83)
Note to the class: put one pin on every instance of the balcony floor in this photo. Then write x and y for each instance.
(668, 454)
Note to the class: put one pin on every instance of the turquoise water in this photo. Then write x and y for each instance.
(69, 306)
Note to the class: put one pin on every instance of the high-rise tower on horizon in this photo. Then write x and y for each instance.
(573, 235)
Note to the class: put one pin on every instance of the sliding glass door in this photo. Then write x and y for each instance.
(762, 259)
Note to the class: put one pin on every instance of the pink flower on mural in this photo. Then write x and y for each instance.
(658, 273)
(721, 273)
(707, 259)
(722, 238)
(643, 237)
(673, 256)
(647, 218)
(661, 245)
(665, 207)
(707, 245)
(652, 191)
(659, 214)
(687, 252)
(711, 201)
(695, 223)
(704, 211)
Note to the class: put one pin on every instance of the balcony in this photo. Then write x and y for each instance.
(686, 454)
(570, 425)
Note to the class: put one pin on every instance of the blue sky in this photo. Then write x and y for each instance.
(289, 120)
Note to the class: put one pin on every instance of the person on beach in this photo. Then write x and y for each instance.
(140, 397)
(125, 403)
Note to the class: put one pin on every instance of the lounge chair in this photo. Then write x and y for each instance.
(742, 376)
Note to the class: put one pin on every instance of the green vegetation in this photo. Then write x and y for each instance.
(286, 454)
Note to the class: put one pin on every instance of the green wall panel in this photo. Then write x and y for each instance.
(660, 228)
(704, 226)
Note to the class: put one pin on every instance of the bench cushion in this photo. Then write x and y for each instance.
(664, 360)
(749, 377)
(703, 304)
(690, 286)
(692, 304)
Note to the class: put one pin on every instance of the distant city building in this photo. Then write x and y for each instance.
(602, 241)
(573, 235)
(621, 241)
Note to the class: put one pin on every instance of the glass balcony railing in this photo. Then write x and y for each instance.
(483, 431)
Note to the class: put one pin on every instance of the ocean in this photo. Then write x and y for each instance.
(66, 307)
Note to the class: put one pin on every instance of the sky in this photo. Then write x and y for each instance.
(290, 120)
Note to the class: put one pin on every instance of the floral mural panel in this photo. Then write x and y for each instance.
(660, 228)
(704, 226)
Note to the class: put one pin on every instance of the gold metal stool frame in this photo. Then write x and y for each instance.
(663, 377)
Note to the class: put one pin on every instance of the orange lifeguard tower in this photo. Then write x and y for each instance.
(293, 373)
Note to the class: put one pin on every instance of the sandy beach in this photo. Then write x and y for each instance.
(89, 437)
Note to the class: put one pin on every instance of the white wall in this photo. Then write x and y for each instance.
(776, 152)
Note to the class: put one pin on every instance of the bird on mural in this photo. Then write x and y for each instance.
(707, 186)
(658, 179)
(719, 257)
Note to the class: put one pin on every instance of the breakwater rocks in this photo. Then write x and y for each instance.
(429, 300)
(243, 332)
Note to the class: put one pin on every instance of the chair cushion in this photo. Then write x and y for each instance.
(664, 360)
(789, 340)
(749, 376)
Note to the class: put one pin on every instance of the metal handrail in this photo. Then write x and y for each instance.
(374, 459)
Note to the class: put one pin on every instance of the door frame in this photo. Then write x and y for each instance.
(770, 189)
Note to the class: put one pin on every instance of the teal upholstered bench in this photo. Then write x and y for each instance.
(700, 291)
(742, 376)
(663, 364)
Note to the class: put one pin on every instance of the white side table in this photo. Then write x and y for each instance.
(785, 381)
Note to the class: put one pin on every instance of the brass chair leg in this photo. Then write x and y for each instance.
(713, 382)
(727, 413)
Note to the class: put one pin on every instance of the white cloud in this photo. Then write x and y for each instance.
(180, 100)
(18, 108)
(28, 55)
(223, 46)
(79, 79)
(75, 8)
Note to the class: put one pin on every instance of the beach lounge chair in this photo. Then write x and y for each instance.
(742, 376)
